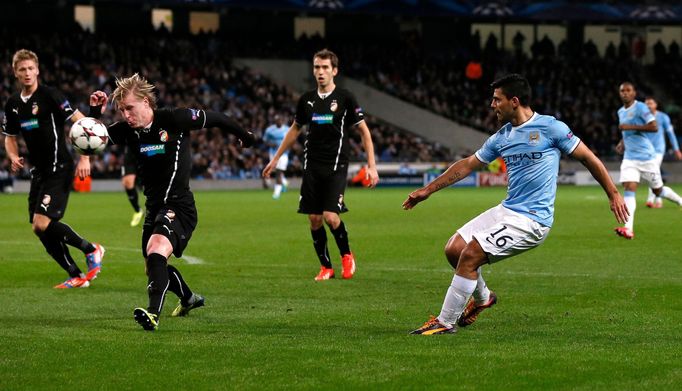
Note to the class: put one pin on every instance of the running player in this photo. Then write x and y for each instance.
(273, 137)
(38, 113)
(639, 160)
(330, 113)
(129, 182)
(160, 138)
(658, 140)
(531, 145)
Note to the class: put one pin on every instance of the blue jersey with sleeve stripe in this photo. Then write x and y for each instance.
(665, 128)
(531, 152)
(274, 135)
(637, 144)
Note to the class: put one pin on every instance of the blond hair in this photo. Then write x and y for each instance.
(23, 55)
(136, 85)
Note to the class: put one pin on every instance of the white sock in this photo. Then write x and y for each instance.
(278, 190)
(456, 299)
(285, 182)
(658, 201)
(481, 293)
(669, 194)
(631, 203)
(650, 196)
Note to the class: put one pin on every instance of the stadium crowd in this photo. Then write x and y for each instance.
(189, 72)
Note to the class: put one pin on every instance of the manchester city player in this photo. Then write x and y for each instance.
(531, 145)
(665, 128)
(330, 113)
(273, 137)
(161, 140)
(639, 161)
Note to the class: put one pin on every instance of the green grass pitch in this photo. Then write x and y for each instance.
(587, 310)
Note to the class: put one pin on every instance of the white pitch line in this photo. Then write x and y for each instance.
(187, 258)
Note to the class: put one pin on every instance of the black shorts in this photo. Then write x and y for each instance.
(129, 166)
(50, 192)
(322, 190)
(172, 221)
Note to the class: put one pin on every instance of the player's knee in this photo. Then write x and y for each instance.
(159, 244)
(315, 222)
(453, 249)
(472, 256)
(332, 219)
(39, 225)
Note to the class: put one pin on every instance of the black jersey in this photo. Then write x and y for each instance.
(164, 158)
(329, 121)
(40, 120)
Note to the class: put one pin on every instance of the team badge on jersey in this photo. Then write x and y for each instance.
(163, 135)
(34, 108)
(534, 138)
(333, 106)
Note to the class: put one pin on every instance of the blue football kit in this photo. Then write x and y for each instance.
(637, 143)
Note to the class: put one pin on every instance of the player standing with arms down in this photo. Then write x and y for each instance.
(531, 145)
(161, 139)
(273, 137)
(639, 160)
(38, 112)
(330, 113)
(665, 128)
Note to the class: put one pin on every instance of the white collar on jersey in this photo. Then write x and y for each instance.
(25, 98)
(531, 119)
(326, 94)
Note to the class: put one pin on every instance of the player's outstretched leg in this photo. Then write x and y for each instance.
(188, 299)
(60, 253)
(481, 299)
(627, 231)
(670, 195)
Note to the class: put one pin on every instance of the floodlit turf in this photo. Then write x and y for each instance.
(586, 310)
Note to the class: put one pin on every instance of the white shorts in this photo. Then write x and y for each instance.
(659, 159)
(649, 170)
(503, 233)
(282, 163)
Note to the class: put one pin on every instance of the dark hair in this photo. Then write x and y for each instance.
(628, 83)
(327, 54)
(514, 85)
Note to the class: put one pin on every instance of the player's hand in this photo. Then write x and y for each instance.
(678, 155)
(620, 148)
(268, 169)
(619, 209)
(99, 98)
(17, 163)
(83, 167)
(415, 197)
(372, 175)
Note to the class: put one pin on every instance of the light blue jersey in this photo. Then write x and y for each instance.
(664, 127)
(274, 136)
(531, 152)
(637, 144)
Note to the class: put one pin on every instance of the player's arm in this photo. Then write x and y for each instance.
(12, 148)
(599, 172)
(289, 140)
(649, 127)
(455, 173)
(215, 119)
(670, 133)
(367, 144)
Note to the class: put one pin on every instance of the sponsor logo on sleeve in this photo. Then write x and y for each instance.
(152, 149)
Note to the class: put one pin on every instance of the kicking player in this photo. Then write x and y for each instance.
(273, 137)
(639, 160)
(128, 180)
(658, 140)
(39, 112)
(161, 140)
(531, 145)
(330, 113)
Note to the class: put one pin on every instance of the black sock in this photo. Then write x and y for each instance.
(60, 253)
(178, 285)
(158, 282)
(320, 244)
(132, 197)
(63, 233)
(341, 237)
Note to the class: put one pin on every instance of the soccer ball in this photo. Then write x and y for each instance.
(89, 136)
